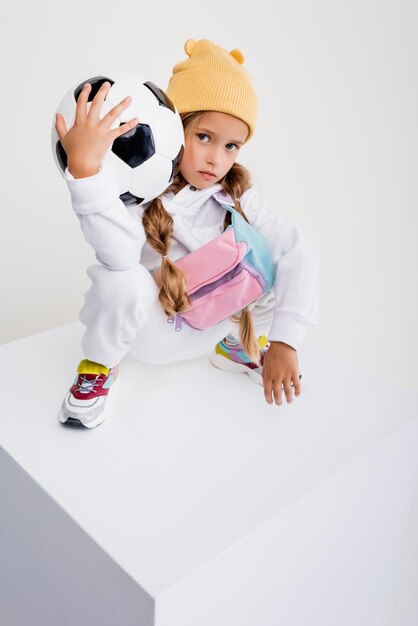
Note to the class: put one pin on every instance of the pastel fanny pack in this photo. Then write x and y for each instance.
(226, 274)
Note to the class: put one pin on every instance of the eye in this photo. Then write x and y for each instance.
(234, 146)
(200, 136)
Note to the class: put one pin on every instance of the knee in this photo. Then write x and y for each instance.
(114, 287)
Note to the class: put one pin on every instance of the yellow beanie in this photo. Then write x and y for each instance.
(213, 79)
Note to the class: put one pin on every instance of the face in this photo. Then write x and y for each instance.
(211, 148)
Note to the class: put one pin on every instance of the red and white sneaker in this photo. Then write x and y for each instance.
(85, 402)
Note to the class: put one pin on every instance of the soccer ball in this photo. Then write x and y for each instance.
(146, 158)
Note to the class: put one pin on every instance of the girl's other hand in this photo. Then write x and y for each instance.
(280, 367)
(88, 140)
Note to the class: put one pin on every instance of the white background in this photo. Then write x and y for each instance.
(335, 150)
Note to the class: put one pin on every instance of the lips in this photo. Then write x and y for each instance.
(208, 173)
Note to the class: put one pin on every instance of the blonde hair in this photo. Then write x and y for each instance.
(158, 225)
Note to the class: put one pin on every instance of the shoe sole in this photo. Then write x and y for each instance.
(77, 422)
(227, 365)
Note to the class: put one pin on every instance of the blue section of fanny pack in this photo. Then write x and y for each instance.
(258, 255)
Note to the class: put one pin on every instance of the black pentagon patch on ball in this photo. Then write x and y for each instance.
(135, 146)
(176, 164)
(129, 199)
(163, 99)
(61, 155)
(96, 82)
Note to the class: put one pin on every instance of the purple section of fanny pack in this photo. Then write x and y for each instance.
(226, 277)
(208, 288)
(251, 270)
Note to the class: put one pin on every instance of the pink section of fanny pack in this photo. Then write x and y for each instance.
(227, 299)
(212, 260)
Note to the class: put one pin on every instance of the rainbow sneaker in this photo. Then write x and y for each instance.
(84, 403)
(230, 356)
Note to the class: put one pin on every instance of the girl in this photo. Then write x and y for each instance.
(136, 284)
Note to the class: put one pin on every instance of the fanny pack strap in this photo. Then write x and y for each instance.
(225, 200)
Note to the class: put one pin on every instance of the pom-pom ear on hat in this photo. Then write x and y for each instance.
(238, 56)
(189, 46)
(213, 79)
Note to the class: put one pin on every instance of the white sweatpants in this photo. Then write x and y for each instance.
(122, 313)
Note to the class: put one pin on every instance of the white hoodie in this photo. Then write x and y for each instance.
(118, 238)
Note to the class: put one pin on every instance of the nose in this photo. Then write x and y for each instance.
(213, 156)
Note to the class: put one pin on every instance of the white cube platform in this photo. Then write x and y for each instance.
(197, 504)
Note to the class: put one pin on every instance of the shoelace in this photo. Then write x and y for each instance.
(87, 385)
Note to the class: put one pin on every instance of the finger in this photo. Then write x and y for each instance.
(81, 108)
(97, 103)
(110, 117)
(124, 128)
(297, 386)
(268, 391)
(60, 126)
(288, 390)
(277, 390)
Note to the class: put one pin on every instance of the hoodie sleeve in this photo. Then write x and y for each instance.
(114, 231)
(297, 271)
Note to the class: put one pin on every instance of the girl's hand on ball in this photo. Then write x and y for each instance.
(88, 140)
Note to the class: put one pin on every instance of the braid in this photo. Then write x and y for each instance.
(235, 182)
(158, 225)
